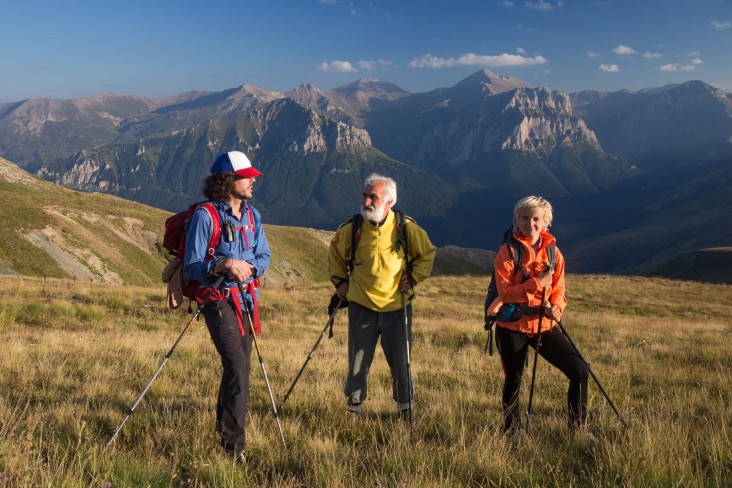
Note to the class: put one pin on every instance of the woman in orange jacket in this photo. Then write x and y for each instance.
(521, 292)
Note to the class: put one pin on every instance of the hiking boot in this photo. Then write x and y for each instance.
(235, 453)
(403, 410)
(353, 410)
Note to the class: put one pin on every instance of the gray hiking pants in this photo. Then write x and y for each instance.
(364, 328)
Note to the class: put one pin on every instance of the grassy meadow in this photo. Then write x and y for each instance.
(76, 355)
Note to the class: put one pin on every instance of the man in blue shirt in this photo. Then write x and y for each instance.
(243, 254)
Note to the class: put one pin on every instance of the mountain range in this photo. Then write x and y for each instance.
(638, 177)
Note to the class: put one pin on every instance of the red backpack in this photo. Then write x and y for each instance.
(174, 241)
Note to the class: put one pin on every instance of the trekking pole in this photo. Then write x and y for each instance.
(312, 351)
(261, 360)
(597, 382)
(214, 285)
(536, 358)
(409, 367)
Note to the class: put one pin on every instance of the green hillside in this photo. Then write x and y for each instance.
(53, 232)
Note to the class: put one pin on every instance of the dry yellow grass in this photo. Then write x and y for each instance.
(76, 355)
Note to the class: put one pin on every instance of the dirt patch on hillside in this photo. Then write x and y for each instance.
(79, 262)
(65, 260)
(324, 236)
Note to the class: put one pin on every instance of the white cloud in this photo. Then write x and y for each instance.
(371, 65)
(592, 54)
(506, 4)
(610, 68)
(520, 50)
(721, 25)
(694, 54)
(650, 55)
(348, 67)
(470, 59)
(676, 67)
(624, 50)
(341, 66)
(696, 61)
(543, 6)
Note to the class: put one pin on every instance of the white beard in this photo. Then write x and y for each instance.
(373, 214)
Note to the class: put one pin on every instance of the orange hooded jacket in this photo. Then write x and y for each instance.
(513, 289)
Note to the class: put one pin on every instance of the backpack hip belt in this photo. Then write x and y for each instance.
(236, 298)
(511, 312)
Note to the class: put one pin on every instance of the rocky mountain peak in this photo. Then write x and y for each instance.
(306, 94)
(696, 90)
(305, 87)
(489, 83)
(369, 85)
(247, 96)
(310, 97)
(361, 92)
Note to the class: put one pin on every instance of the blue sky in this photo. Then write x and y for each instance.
(75, 48)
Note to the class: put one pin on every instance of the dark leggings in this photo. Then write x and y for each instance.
(556, 349)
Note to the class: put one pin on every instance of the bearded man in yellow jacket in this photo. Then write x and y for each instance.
(383, 268)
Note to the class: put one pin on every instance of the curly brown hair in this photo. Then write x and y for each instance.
(219, 186)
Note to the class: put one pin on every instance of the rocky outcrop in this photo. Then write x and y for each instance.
(546, 121)
(337, 136)
(530, 120)
(300, 130)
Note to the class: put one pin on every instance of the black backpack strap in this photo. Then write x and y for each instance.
(516, 252)
(401, 219)
(356, 222)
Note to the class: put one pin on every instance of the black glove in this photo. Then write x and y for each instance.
(336, 303)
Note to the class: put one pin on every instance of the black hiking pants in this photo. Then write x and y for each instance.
(556, 349)
(235, 351)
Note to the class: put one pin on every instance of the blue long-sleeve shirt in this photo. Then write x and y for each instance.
(254, 249)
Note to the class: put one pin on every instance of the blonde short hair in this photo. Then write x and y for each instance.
(534, 201)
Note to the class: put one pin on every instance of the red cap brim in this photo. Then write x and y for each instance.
(248, 173)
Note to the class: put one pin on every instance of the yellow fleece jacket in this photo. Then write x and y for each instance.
(374, 282)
